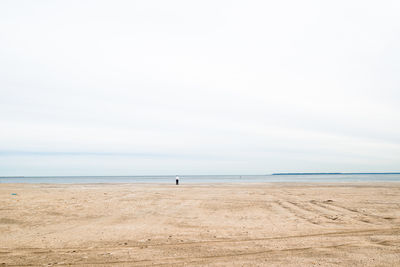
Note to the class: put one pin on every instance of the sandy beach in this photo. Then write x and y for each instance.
(223, 224)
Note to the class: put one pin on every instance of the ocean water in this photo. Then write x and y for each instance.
(190, 179)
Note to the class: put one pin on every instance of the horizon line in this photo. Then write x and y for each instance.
(182, 175)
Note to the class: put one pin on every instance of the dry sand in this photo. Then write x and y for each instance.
(226, 225)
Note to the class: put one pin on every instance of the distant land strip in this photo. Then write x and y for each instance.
(332, 173)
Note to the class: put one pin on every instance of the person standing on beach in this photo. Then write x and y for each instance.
(177, 180)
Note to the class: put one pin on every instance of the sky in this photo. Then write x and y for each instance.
(199, 87)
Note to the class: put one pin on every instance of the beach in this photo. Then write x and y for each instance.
(266, 224)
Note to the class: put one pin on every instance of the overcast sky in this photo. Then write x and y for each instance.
(199, 87)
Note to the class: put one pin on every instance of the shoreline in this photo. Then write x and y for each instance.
(182, 184)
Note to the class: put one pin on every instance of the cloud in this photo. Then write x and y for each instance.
(224, 87)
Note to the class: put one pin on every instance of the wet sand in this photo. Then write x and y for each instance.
(225, 225)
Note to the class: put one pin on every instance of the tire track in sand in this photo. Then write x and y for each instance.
(298, 212)
(193, 259)
(337, 233)
(350, 212)
(113, 248)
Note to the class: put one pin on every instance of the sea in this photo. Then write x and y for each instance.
(207, 179)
